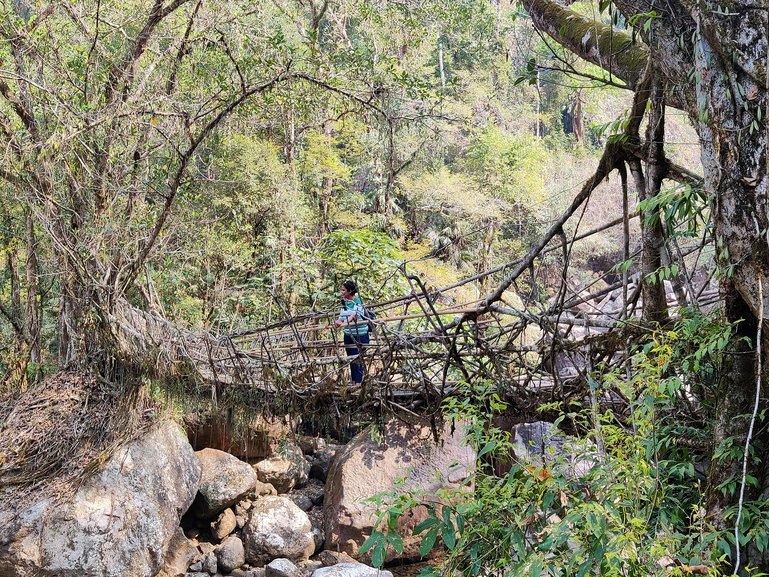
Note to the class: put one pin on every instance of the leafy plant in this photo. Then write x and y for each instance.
(634, 509)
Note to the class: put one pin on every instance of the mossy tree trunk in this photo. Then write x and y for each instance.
(718, 75)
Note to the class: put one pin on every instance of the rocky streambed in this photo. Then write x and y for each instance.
(158, 507)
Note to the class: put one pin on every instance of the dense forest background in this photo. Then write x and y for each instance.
(215, 166)
(444, 136)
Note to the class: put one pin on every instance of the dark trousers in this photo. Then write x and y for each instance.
(354, 344)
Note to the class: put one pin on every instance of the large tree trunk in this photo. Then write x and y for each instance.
(733, 401)
(727, 102)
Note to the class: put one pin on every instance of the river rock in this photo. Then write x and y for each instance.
(329, 558)
(302, 501)
(262, 489)
(226, 480)
(285, 471)
(210, 564)
(321, 462)
(230, 554)
(366, 467)
(309, 566)
(277, 528)
(225, 524)
(310, 445)
(181, 552)
(350, 570)
(282, 568)
(119, 523)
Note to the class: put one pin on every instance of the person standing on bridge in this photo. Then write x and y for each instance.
(352, 318)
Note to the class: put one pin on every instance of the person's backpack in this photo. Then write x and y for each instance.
(370, 317)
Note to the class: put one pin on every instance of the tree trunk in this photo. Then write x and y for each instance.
(721, 80)
(326, 192)
(18, 373)
(577, 121)
(733, 402)
(440, 62)
(33, 321)
(652, 236)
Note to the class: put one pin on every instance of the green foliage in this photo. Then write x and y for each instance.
(637, 509)
(615, 130)
(509, 167)
(369, 258)
(684, 209)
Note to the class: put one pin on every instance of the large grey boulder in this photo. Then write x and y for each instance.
(284, 471)
(119, 523)
(277, 528)
(350, 570)
(366, 467)
(225, 481)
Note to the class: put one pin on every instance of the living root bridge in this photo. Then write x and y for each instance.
(426, 342)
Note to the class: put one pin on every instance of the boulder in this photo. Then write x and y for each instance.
(210, 564)
(285, 471)
(350, 570)
(277, 528)
(329, 558)
(540, 444)
(119, 523)
(302, 501)
(181, 552)
(262, 489)
(310, 445)
(366, 467)
(225, 481)
(230, 554)
(282, 568)
(309, 566)
(225, 524)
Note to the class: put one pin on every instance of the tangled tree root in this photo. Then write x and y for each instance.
(62, 430)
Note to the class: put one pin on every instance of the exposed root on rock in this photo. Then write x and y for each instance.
(58, 433)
